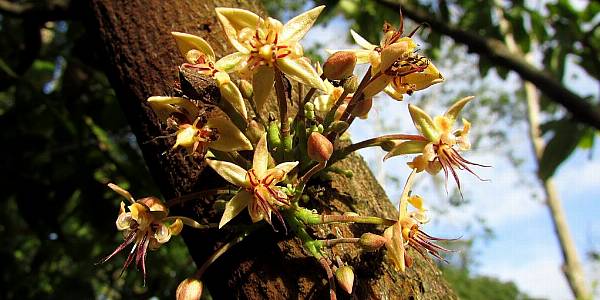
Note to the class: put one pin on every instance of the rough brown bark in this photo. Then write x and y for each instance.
(142, 60)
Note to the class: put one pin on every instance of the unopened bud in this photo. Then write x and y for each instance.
(246, 88)
(345, 277)
(371, 242)
(338, 126)
(339, 65)
(363, 107)
(255, 131)
(189, 289)
(319, 147)
(309, 110)
(351, 84)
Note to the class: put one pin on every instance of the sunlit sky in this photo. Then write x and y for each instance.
(524, 248)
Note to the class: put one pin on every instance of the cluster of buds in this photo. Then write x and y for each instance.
(267, 160)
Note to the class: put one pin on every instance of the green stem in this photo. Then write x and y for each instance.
(310, 218)
(373, 142)
(333, 242)
(297, 226)
(239, 160)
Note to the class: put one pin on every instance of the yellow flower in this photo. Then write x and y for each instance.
(265, 44)
(200, 56)
(146, 225)
(324, 102)
(407, 233)
(196, 131)
(396, 68)
(440, 149)
(259, 190)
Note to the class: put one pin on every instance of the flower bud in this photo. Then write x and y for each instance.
(339, 65)
(246, 88)
(189, 289)
(363, 107)
(309, 110)
(351, 84)
(338, 126)
(319, 147)
(371, 242)
(345, 277)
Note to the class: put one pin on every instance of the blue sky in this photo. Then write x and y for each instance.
(525, 249)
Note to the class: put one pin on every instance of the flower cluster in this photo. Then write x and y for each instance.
(266, 161)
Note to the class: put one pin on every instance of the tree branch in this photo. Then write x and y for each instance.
(497, 52)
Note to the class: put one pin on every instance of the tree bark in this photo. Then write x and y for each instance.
(141, 60)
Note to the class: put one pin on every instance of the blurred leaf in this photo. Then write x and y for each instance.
(567, 135)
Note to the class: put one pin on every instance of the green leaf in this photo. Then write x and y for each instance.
(484, 66)
(567, 136)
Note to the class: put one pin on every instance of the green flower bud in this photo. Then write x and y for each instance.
(345, 277)
(371, 242)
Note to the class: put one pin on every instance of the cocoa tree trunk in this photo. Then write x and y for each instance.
(141, 60)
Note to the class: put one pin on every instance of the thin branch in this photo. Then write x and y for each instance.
(499, 54)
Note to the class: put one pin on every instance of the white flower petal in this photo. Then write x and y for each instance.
(231, 93)
(230, 137)
(235, 206)
(230, 172)
(286, 167)
(394, 93)
(455, 109)
(376, 85)
(233, 20)
(231, 62)
(121, 191)
(186, 104)
(262, 84)
(300, 70)
(424, 123)
(421, 80)
(186, 42)
(361, 41)
(260, 160)
(295, 29)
